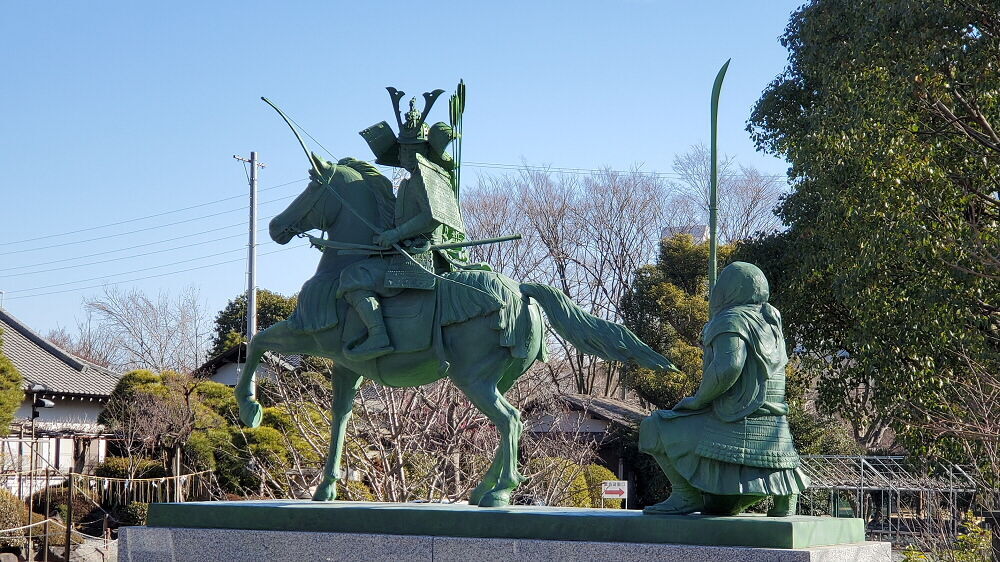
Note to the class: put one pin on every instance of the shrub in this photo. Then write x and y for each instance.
(13, 513)
(559, 481)
(204, 448)
(86, 504)
(118, 467)
(251, 453)
(132, 514)
(11, 389)
(57, 532)
(594, 474)
(354, 490)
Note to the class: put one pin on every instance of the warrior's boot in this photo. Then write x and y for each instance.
(370, 312)
(684, 498)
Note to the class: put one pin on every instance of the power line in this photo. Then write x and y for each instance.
(148, 228)
(164, 213)
(140, 270)
(589, 171)
(123, 258)
(484, 165)
(144, 245)
(200, 267)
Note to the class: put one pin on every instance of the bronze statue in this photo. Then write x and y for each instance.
(418, 311)
(728, 446)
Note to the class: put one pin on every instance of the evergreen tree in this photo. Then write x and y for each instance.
(890, 267)
(11, 389)
(231, 321)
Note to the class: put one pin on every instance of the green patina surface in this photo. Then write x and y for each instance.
(543, 523)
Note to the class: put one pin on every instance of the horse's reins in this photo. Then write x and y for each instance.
(346, 205)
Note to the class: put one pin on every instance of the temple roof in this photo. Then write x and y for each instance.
(41, 362)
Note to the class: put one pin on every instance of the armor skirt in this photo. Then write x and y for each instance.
(722, 458)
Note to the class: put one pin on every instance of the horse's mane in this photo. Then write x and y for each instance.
(379, 185)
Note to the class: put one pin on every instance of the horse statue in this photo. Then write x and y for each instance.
(479, 328)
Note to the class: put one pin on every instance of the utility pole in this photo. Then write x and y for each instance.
(252, 247)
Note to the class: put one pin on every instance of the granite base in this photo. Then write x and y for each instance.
(163, 544)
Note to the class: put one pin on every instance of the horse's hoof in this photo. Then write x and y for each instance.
(327, 491)
(495, 499)
(475, 497)
(251, 413)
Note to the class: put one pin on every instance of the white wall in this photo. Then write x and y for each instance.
(228, 374)
(67, 411)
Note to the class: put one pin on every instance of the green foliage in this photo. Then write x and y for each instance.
(204, 448)
(11, 389)
(353, 490)
(120, 467)
(57, 531)
(667, 309)
(13, 513)
(594, 474)
(561, 480)
(219, 398)
(257, 454)
(127, 390)
(650, 484)
(420, 469)
(230, 322)
(971, 546)
(86, 504)
(814, 433)
(974, 543)
(132, 514)
(894, 211)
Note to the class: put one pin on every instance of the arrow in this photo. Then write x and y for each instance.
(616, 491)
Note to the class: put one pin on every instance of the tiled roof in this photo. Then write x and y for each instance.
(238, 354)
(41, 362)
(607, 409)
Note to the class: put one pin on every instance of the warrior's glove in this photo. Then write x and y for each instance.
(386, 239)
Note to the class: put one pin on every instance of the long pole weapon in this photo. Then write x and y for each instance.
(713, 197)
(456, 107)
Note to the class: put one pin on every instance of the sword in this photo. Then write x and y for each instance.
(323, 243)
(482, 242)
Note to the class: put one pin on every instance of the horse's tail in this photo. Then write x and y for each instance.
(591, 334)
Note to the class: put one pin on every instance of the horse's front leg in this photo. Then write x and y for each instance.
(345, 388)
(484, 395)
(278, 338)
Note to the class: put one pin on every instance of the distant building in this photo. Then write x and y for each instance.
(604, 420)
(226, 367)
(78, 388)
(67, 436)
(699, 232)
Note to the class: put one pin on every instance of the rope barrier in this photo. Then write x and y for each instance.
(56, 474)
(157, 479)
(51, 521)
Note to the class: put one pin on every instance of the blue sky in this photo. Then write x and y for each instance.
(113, 111)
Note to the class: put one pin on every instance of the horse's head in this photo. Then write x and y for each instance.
(313, 209)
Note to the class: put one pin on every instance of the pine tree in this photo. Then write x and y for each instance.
(11, 389)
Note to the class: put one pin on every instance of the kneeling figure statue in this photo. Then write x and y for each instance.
(728, 447)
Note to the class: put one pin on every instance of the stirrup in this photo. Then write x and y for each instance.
(360, 354)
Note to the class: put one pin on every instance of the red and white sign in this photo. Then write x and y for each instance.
(614, 489)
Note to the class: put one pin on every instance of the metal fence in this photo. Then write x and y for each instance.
(897, 497)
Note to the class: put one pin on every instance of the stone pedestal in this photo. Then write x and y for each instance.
(303, 530)
(170, 544)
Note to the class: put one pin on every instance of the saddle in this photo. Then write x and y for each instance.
(409, 319)
(410, 315)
